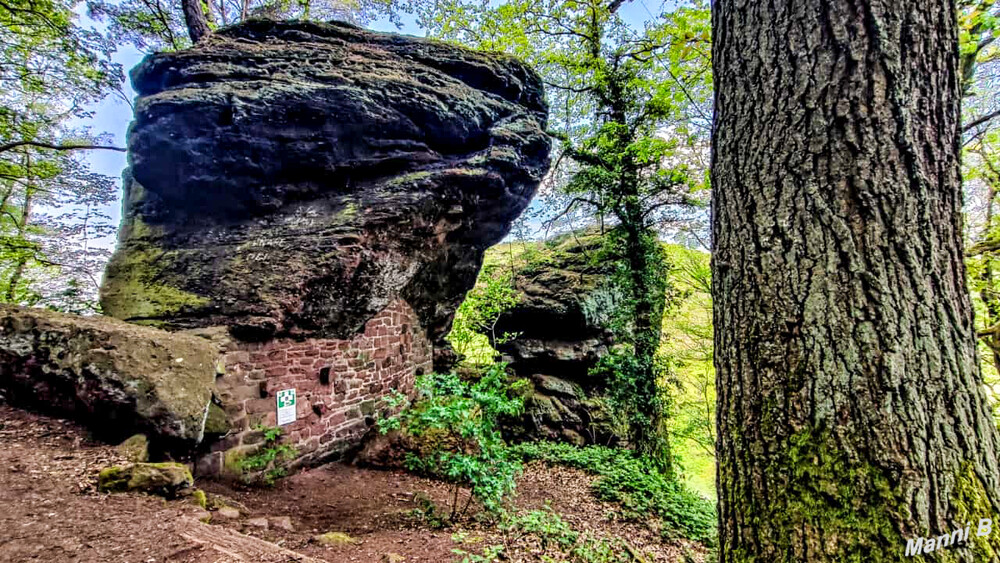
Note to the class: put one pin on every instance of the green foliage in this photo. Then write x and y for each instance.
(629, 108)
(634, 483)
(977, 28)
(270, 462)
(457, 424)
(428, 513)
(981, 174)
(476, 319)
(549, 534)
(688, 341)
(490, 554)
(154, 25)
(49, 201)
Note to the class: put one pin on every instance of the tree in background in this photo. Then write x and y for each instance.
(981, 174)
(851, 412)
(625, 105)
(473, 331)
(52, 69)
(171, 24)
(687, 341)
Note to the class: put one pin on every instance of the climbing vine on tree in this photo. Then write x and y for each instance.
(630, 110)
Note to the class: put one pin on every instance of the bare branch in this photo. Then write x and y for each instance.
(980, 120)
(63, 147)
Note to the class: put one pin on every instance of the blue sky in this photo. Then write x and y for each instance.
(113, 115)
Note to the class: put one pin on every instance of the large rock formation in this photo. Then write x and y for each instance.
(564, 307)
(294, 179)
(561, 322)
(116, 377)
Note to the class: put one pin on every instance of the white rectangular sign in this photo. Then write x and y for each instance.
(286, 406)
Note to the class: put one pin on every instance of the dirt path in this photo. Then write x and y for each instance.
(50, 511)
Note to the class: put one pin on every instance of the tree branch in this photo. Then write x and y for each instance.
(980, 120)
(63, 147)
(982, 248)
(572, 203)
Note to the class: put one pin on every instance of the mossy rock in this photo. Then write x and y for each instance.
(217, 422)
(199, 498)
(334, 538)
(135, 449)
(232, 461)
(117, 378)
(168, 479)
(229, 241)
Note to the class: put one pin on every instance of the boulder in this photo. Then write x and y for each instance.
(294, 178)
(168, 480)
(581, 418)
(119, 379)
(565, 305)
(390, 450)
(135, 449)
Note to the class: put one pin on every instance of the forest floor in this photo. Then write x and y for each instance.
(50, 510)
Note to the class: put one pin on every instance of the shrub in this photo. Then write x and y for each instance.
(473, 331)
(632, 482)
(270, 462)
(466, 448)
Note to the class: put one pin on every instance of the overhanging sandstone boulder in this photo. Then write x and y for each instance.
(117, 378)
(293, 179)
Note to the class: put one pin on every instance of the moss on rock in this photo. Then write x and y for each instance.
(116, 377)
(199, 498)
(217, 422)
(354, 209)
(135, 449)
(334, 538)
(164, 479)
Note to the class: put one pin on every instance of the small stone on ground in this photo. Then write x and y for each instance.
(228, 512)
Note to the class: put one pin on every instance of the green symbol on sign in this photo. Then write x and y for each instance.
(286, 399)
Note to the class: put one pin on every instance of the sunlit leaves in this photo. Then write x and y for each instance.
(159, 24)
(49, 201)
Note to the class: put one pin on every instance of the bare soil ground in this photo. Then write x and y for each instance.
(50, 511)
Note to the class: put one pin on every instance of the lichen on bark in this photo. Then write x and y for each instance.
(850, 399)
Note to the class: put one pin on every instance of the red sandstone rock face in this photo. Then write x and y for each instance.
(333, 412)
(294, 179)
(117, 378)
(326, 195)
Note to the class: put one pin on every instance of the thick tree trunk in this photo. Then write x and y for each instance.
(851, 410)
(194, 18)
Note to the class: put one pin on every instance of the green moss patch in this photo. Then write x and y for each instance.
(164, 479)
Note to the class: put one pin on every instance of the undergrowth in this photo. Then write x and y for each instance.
(547, 533)
(633, 483)
(270, 462)
(456, 423)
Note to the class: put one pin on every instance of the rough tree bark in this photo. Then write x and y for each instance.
(195, 19)
(851, 412)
